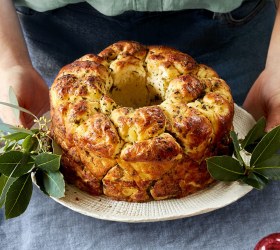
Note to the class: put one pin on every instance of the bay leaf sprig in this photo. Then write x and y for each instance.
(262, 150)
(27, 154)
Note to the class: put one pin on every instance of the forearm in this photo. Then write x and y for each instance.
(273, 56)
(13, 49)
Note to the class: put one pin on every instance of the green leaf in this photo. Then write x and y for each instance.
(34, 130)
(11, 129)
(4, 127)
(19, 108)
(269, 144)
(8, 146)
(30, 143)
(13, 100)
(15, 163)
(256, 133)
(224, 168)
(5, 183)
(237, 148)
(274, 160)
(56, 148)
(39, 179)
(16, 136)
(48, 162)
(23, 130)
(54, 184)
(18, 196)
(255, 180)
(269, 168)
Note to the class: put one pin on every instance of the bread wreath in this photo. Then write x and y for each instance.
(137, 122)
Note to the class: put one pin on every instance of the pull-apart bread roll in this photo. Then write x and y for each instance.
(136, 123)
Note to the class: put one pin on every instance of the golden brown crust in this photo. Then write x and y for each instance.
(124, 48)
(119, 185)
(185, 178)
(169, 57)
(137, 122)
(97, 134)
(157, 149)
(75, 173)
(140, 124)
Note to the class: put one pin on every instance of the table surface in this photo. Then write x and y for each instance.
(49, 225)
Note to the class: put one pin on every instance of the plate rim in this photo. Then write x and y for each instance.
(144, 219)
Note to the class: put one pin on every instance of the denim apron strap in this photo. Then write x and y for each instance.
(228, 42)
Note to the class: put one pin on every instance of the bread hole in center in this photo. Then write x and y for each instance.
(131, 86)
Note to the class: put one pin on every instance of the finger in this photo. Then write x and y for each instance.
(9, 117)
(273, 120)
(11, 121)
(28, 120)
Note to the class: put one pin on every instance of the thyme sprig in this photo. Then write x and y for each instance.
(27, 154)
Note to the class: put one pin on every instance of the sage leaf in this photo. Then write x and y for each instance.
(237, 148)
(270, 168)
(269, 144)
(15, 163)
(255, 133)
(255, 180)
(16, 136)
(47, 162)
(18, 196)
(13, 99)
(54, 184)
(224, 168)
(5, 183)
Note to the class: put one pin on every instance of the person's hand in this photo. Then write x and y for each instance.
(31, 91)
(263, 98)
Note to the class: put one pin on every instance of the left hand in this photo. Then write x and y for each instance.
(263, 98)
(31, 91)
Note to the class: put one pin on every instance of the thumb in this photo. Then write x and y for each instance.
(272, 119)
(28, 120)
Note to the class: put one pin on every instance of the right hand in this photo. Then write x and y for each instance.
(31, 91)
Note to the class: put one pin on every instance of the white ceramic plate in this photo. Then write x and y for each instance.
(214, 197)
